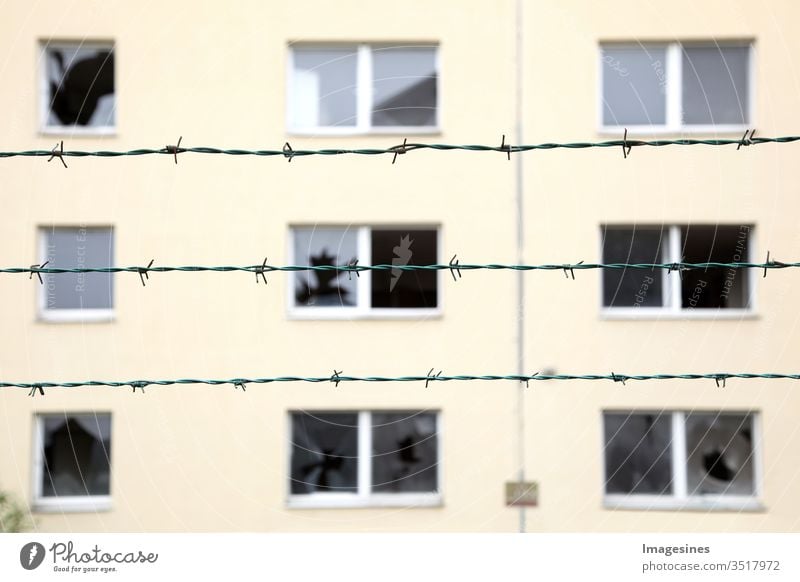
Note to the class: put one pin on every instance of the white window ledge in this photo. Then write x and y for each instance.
(351, 501)
(376, 131)
(697, 503)
(76, 316)
(72, 504)
(657, 313)
(326, 313)
(78, 131)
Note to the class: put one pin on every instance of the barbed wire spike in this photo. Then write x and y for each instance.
(746, 141)
(432, 376)
(138, 384)
(240, 385)
(58, 154)
(400, 149)
(620, 378)
(505, 148)
(528, 379)
(288, 152)
(455, 268)
(34, 388)
(571, 269)
(143, 272)
(680, 267)
(335, 378)
(260, 271)
(719, 377)
(352, 263)
(626, 147)
(175, 149)
(35, 269)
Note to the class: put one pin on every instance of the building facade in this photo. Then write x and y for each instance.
(645, 456)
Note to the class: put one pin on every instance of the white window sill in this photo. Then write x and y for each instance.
(76, 316)
(78, 131)
(375, 131)
(348, 314)
(72, 504)
(657, 313)
(643, 131)
(355, 501)
(696, 503)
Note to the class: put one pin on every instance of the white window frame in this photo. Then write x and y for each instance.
(64, 503)
(671, 281)
(363, 497)
(362, 310)
(86, 315)
(674, 84)
(680, 498)
(363, 93)
(44, 90)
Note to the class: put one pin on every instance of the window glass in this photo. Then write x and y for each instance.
(634, 85)
(633, 287)
(714, 288)
(720, 454)
(324, 87)
(77, 453)
(638, 453)
(324, 453)
(80, 86)
(715, 85)
(325, 246)
(398, 288)
(404, 86)
(78, 247)
(404, 452)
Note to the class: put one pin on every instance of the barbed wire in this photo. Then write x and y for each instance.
(289, 153)
(337, 377)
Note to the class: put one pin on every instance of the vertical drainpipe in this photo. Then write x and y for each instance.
(520, 261)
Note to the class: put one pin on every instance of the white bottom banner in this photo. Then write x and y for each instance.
(400, 557)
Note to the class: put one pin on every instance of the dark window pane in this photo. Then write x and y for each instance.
(325, 246)
(638, 453)
(634, 85)
(715, 85)
(404, 452)
(404, 86)
(324, 453)
(720, 454)
(633, 287)
(324, 87)
(80, 85)
(714, 288)
(77, 453)
(79, 247)
(398, 288)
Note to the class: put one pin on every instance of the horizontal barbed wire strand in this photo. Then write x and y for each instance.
(258, 269)
(336, 378)
(407, 147)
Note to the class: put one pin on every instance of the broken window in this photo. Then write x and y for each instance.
(676, 291)
(77, 296)
(79, 85)
(393, 288)
(362, 87)
(364, 453)
(76, 455)
(681, 456)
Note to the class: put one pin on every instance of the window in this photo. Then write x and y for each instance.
(714, 291)
(681, 459)
(391, 292)
(363, 88)
(78, 87)
(676, 87)
(76, 296)
(73, 465)
(364, 458)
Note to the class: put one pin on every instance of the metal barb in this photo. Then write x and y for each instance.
(719, 377)
(57, 154)
(505, 148)
(260, 271)
(35, 269)
(616, 378)
(528, 379)
(432, 376)
(335, 378)
(352, 263)
(138, 384)
(677, 267)
(288, 152)
(175, 149)
(240, 385)
(34, 389)
(746, 141)
(454, 268)
(400, 149)
(626, 148)
(143, 272)
(571, 270)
